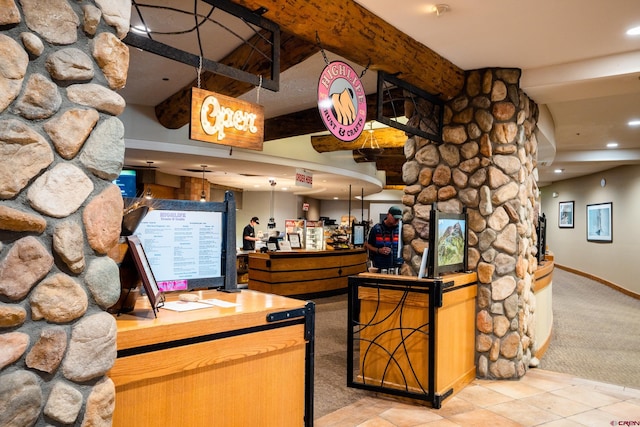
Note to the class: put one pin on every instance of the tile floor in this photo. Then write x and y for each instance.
(540, 398)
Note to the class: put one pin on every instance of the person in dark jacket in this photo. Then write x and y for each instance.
(383, 240)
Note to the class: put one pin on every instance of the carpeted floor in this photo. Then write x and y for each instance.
(596, 335)
(596, 332)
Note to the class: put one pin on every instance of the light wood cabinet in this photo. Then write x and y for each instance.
(412, 337)
(245, 365)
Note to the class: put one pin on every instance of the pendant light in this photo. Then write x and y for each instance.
(370, 148)
(148, 195)
(203, 195)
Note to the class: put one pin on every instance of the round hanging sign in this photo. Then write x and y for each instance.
(342, 101)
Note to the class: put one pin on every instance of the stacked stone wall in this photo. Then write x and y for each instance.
(61, 145)
(486, 163)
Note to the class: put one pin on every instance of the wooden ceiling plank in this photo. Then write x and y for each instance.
(347, 29)
(385, 138)
(309, 121)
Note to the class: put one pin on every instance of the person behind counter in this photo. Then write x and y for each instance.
(249, 238)
(383, 240)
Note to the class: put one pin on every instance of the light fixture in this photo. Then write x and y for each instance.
(635, 31)
(272, 222)
(148, 195)
(558, 171)
(370, 148)
(634, 123)
(555, 194)
(439, 9)
(203, 195)
(612, 145)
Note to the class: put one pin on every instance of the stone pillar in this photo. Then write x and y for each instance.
(486, 163)
(61, 145)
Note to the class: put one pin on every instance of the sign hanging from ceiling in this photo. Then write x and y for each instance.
(304, 178)
(225, 120)
(342, 101)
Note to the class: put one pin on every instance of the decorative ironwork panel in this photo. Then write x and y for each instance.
(192, 37)
(423, 110)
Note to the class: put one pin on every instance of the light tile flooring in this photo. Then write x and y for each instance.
(540, 398)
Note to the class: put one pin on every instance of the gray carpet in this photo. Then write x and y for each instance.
(596, 335)
(596, 332)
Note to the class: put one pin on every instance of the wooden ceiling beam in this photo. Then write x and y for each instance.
(309, 121)
(175, 111)
(385, 138)
(347, 29)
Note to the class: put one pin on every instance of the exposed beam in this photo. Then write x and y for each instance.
(390, 160)
(309, 121)
(385, 138)
(351, 31)
(174, 112)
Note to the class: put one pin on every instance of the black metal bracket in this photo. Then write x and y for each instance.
(434, 122)
(187, 58)
(438, 398)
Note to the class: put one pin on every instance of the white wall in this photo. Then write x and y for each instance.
(616, 262)
(258, 203)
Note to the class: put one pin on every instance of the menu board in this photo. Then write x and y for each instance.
(182, 245)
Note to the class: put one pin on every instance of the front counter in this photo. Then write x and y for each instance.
(232, 364)
(412, 337)
(305, 273)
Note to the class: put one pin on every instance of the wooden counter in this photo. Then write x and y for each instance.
(543, 290)
(412, 337)
(226, 367)
(305, 273)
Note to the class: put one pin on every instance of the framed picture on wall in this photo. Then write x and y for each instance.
(565, 214)
(599, 223)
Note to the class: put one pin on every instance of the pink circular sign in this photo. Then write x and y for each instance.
(342, 101)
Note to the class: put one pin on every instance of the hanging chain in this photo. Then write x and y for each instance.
(324, 55)
(199, 71)
(326, 60)
(365, 68)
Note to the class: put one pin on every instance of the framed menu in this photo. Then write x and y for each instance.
(144, 270)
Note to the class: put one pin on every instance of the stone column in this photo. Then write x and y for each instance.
(61, 145)
(486, 163)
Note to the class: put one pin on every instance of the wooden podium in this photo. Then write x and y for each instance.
(412, 337)
(250, 364)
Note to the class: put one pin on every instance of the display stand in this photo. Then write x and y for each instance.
(411, 337)
(156, 299)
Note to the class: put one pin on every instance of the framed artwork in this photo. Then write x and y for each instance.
(565, 214)
(144, 269)
(599, 223)
(294, 239)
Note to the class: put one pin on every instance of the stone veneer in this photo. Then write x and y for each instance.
(486, 163)
(61, 145)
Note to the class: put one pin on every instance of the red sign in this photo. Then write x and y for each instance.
(304, 178)
(342, 101)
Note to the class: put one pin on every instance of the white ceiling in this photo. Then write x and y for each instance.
(575, 57)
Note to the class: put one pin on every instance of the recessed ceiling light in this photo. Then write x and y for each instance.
(558, 171)
(612, 145)
(635, 31)
(335, 198)
(634, 123)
